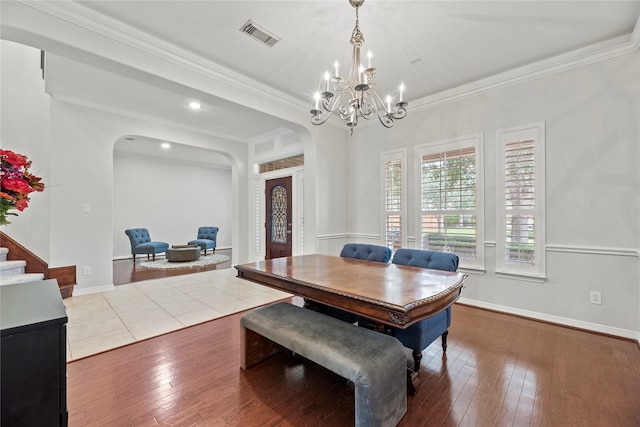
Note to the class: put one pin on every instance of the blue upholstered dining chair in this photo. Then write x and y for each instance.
(364, 252)
(141, 243)
(207, 238)
(420, 335)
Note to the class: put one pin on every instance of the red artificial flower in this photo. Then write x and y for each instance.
(17, 184)
(34, 182)
(22, 204)
(15, 159)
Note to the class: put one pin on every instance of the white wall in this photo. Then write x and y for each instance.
(74, 147)
(25, 130)
(637, 73)
(591, 114)
(592, 197)
(333, 186)
(170, 199)
(82, 139)
(82, 165)
(78, 146)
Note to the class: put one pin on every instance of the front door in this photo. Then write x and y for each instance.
(278, 236)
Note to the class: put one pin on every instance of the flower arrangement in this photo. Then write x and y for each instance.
(16, 184)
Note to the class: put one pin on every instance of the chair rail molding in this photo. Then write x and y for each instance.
(332, 236)
(594, 250)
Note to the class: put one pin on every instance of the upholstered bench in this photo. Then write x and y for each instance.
(374, 362)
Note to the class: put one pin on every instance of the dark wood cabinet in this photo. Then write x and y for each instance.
(33, 357)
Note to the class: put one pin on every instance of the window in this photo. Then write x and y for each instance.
(521, 231)
(394, 199)
(451, 199)
(289, 162)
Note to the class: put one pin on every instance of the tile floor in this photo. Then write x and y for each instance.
(136, 311)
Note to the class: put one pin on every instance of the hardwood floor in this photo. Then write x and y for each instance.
(499, 370)
(126, 271)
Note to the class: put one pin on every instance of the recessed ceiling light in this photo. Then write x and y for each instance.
(165, 145)
(195, 105)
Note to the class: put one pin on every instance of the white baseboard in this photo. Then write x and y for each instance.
(92, 290)
(579, 324)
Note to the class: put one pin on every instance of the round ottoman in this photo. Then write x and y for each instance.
(183, 253)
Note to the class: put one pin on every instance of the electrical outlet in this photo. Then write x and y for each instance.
(87, 270)
(595, 297)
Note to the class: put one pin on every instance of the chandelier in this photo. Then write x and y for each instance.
(356, 96)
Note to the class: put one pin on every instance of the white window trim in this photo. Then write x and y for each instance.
(477, 141)
(385, 157)
(537, 271)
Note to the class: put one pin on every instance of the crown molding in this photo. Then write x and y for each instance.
(117, 31)
(635, 36)
(172, 161)
(578, 58)
(144, 117)
(127, 35)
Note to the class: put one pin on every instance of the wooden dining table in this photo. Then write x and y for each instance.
(390, 294)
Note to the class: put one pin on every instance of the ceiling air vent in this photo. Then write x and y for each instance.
(259, 33)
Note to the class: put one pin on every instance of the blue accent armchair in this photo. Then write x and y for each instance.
(141, 243)
(207, 238)
(356, 251)
(420, 335)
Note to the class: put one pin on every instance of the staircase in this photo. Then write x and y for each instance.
(18, 265)
(12, 272)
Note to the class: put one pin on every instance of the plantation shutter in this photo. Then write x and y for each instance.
(519, 196)
(393, 203)
(448, 198)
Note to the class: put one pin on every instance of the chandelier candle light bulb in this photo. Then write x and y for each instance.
(356, 95)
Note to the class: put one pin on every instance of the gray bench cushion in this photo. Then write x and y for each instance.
(374, 362)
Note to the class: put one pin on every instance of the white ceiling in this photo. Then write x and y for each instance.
(152, 99)
(141, 146)
(430, 46)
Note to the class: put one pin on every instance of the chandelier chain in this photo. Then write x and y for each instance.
(357, 38)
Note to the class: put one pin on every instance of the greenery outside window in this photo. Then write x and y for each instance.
(451, 199)
(521, 225)
(394, 199)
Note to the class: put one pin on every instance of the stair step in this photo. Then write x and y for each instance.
(3, 254)
(11, 268)
(21, 278)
